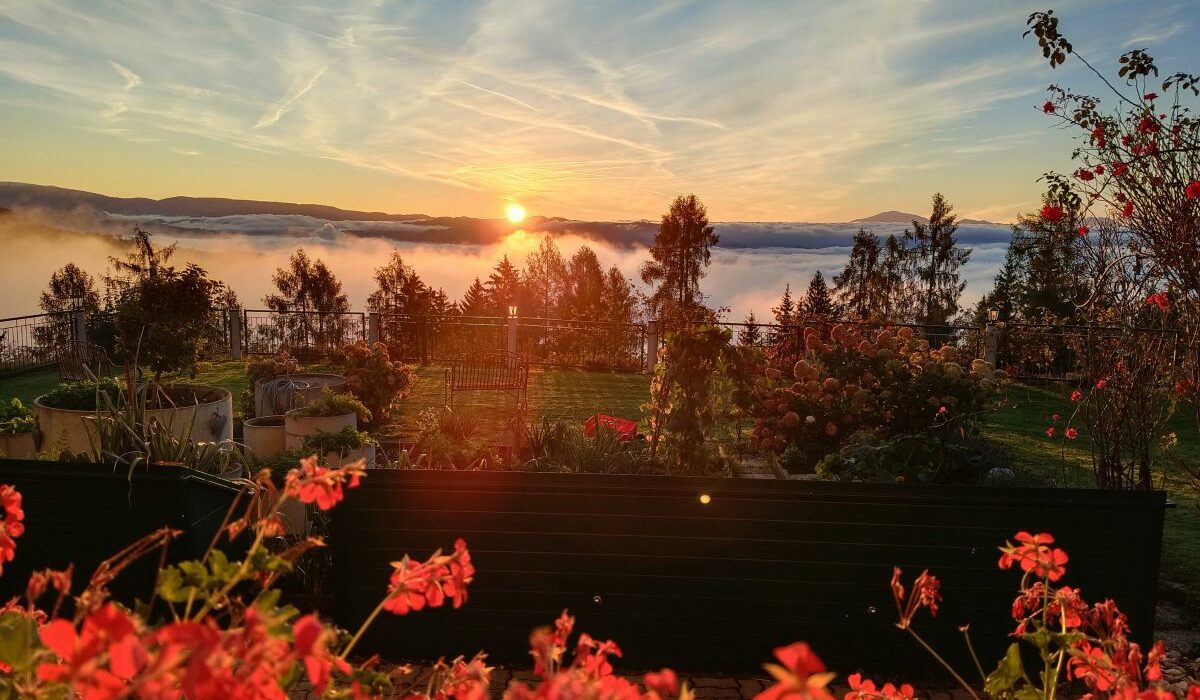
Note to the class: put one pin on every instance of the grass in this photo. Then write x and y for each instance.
(573, 396)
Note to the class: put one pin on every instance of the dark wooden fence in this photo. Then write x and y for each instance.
(715, 585)
(85, 513)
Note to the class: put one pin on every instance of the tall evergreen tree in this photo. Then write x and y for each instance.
(1006, 286)
(818, 304)
(858, 286)
(787, 338)
(934, 259)
(678, 258)
(893, 293)
(751, 334)
(399, 289)
(475, 301)
(584, 296)
(1052, 281)
(620, 299)
(545, 279)
(503, 287)
(440, 304)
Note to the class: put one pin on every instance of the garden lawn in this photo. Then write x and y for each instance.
(1021, 429)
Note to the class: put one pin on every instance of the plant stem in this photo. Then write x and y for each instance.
(974, 657)
(363, 628)
(966, 686)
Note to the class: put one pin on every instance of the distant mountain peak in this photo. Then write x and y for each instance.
(900, 217)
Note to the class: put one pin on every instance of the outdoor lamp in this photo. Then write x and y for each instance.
(76, 303)
(512, 311)
(993, 315)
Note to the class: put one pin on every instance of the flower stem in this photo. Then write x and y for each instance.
(974, 657)
(966, 686)
(363, 628)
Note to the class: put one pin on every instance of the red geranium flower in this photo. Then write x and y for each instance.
(1193, 189)
(865, 689)
(1083, 230)
(1072, 433)
(802, 675)
(1050, 431)
(312, 483)
(925, 594)
(1052, 213)
(1151, 96)
(1048, 108)
(311, 648)
(1120, 169)
(1033, 553)
(1101, 383)
(1127, 210)
(1160, 300)
(1076, 395)
(12, 525)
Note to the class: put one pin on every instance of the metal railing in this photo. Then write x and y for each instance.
(266, 332)
(30, 342)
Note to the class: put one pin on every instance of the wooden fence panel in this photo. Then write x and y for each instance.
(715, 586)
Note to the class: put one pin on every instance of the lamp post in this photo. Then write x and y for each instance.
(512, 328)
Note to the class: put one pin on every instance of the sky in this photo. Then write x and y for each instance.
(794, 110)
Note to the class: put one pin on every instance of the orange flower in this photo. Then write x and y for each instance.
(312, 483)
(802, 675)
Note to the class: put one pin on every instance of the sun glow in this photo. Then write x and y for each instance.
(515, 212)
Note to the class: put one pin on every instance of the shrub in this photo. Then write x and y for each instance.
(372, 376)
(343, 441)
(888, 383)
(15, 417)
(334, 404)
(162, 319)
(560, 446)
(914, 458)
(83, 396)
(447, 440)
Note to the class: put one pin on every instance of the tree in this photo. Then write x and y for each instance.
(70, 283)
(893, 292)
(1007, 285)
(858, 287)
(545, 279)
(307, 286)
(156, 318)
(786, 339)
(1052, 281)
(399, 289)
(750, 334)
(474, 301)
(620, 299)
(143, 261)
(677, 260)
(818, 305)
(503, 288)
(440, 304)
(934, 259)
(584, 295)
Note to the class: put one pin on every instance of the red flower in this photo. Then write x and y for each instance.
(1099, 169)
(415, 584)
(1151, 96)
(311, 648)
(1034, 554)
(665, 682)
(1127, 210)
(1101, 383)
(312, 483)
(1083, 230)
(1085, 174)
(1160, 300)
(864, 689)
(1072, 433)
(925, 594)
(106, 632)
(802, 675)
(1120, 169)
(1050, 431)
(1098, 136)
(1193, 189)
(12, 526)
(1048, 108)
(941, 410)
(1052, 213)
(1055, 417)
(1076, 395)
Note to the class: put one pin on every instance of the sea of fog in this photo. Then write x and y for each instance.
(749, 268)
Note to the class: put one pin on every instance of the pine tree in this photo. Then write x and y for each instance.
(620, 299)
(934, 259)
(583, 299)
(475, 301)
(1052, 281)
(503, 288)
(786, 339)
(858, 286)
(1007, 285)
(545, 279)
(751, 334)
(678, 258)
(818, 304)
(440, 304)
(893, 293)
(785, 314)
(399, 289)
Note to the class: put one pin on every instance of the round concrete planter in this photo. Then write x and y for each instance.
(307, 387)
(263, 436)
(365, 453)
(207, 411)
(297, 427)
(17, 445)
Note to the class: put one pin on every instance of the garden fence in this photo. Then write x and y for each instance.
(29, 342)
(266, 332)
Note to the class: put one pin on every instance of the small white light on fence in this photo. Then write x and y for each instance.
(993, 314)
(512, 311)
(705, 499)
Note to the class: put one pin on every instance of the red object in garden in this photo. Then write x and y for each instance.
(625, 429)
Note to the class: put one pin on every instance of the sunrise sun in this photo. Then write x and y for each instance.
(515, 212)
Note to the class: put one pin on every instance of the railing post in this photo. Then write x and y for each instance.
(79, 325)
(651, 358)
(991, 343)
(372, 328)
(235, 333)
(512, 334)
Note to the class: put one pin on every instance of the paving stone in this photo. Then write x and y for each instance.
(714, 683)
(750, 688)
(711, 693)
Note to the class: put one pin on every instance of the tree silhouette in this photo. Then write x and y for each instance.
(399, 289)
(750, 334)
(677, 260)
(503, 288)
(934, 259)
(859, 287)
(67, 283)
(818, 304)
(474, 301)
(308, 286)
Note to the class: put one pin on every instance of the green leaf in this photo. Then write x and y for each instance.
(1007, 673)
(17, 635)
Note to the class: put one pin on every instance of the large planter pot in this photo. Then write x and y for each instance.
(281, 394)
(204, 413)
(365, 453)
(263, 436)
(17, 445)
(297, 427)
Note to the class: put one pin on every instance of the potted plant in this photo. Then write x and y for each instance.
(279, 384)
(328, 414)
(341, 448)
(263, 436)
(16, 430)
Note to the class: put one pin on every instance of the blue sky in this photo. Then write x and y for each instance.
(801, 111)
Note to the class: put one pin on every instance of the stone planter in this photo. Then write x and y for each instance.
(271, 399)
(297, 427)
(17, 445)
(263, 436)
(205, 411)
